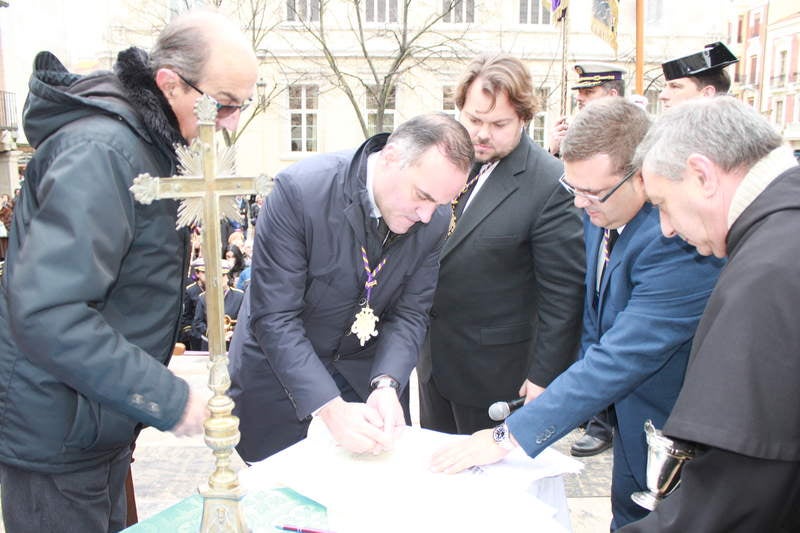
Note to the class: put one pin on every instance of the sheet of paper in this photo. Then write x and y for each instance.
(396, 491)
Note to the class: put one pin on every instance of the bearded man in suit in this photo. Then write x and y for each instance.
(506, 314)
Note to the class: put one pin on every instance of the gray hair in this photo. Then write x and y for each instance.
(731, 134)
(415, 136)
(612, 126)
(184, 44)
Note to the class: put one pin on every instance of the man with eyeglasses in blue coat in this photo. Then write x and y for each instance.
(644, 297)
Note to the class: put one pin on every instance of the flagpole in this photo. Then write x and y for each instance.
(640, 47)
(564, 35)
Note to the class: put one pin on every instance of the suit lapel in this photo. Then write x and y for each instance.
(500, 184)
(619, 249)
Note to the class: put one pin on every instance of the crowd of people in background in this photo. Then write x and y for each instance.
(6, 215)
(237, 249)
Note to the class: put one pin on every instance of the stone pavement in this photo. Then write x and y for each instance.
(168, 469)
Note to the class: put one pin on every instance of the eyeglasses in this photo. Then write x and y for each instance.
(223, 110)
(593, 197)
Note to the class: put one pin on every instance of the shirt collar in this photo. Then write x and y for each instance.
(372, 160)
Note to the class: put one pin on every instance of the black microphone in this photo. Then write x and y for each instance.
(499, 411)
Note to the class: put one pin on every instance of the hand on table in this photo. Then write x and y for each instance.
(477, 450)
(355, 426)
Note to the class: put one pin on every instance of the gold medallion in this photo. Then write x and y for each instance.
(364, 325)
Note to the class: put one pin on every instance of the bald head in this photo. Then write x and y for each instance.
(204, 52)
(188, 42)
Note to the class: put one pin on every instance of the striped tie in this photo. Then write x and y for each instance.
(609, 238)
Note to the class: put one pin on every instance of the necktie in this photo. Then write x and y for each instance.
(609, 238)
(459, 203)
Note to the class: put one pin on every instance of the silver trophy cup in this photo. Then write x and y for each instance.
(665, 459)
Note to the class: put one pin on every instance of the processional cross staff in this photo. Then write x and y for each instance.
(203, 182)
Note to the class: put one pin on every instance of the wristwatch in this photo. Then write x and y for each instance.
(382, 382)
(502, 437)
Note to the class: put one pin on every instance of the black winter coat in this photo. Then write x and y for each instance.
(91, 297)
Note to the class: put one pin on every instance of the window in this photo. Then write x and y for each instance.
(372, 111)
(458, 11)
(751, 79)
(537, 126)
(740, 30)
(797, 109)
(755, 29)
(654, 11)
(380, 10)
(448, 103)
(782, 67)
(533, 12)
(302, 10)
(779, 112)
(303, 105)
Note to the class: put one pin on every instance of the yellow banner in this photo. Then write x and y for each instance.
(605, 16)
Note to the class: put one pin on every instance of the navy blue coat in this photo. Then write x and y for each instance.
(307, 284)
(91, 296)
(635, 343)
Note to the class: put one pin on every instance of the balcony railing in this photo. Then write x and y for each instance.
(778, 81)
(8, 111)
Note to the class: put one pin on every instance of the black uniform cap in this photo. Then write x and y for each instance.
(714, 56)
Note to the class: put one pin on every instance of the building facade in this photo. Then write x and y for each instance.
(766, 38)
(333, 72)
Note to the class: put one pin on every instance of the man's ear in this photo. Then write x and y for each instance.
(167, 81)
(390, 153)
(705, 173)
(708, 91)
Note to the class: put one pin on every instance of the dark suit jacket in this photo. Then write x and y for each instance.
(307, 285)
(508, 303)
(636, 339)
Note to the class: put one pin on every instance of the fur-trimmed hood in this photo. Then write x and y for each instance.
(58, 97)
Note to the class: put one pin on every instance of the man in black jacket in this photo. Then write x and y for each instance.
(91, 297)
(506, 315)
(723, 180)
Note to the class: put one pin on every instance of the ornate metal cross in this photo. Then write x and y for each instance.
(205, 180)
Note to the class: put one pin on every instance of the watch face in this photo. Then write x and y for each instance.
(500, 433)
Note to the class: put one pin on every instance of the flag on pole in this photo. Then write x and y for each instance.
(557, 8)
(605, 14)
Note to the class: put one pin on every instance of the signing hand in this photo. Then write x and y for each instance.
(477, 450)
(386, 403)
(355, 426)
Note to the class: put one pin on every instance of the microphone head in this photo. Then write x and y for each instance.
(499, 411)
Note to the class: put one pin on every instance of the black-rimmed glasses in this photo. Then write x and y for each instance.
(593, 197)
(223, 110)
